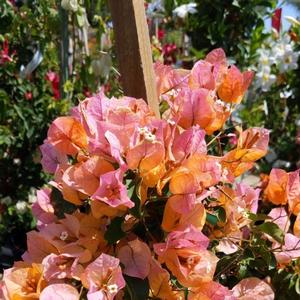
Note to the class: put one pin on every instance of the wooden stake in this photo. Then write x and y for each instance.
(134, 50)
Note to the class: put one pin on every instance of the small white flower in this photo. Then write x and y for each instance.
(265, 78)
(70, 5)
(32, 195)
(171, 122)
(183, 10)
(266, 58)
(21, 207)
(17, 161)
(112, 288)
(142, 130)
(150, 137)
(285, 56)
(288, 62)
(64, 235)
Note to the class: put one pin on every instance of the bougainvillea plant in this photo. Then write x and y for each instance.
(148, 208)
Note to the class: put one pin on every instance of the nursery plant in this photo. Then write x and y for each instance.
(142, 207)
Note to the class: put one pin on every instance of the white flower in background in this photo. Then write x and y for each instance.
(17, 161)
(183, 10)
(265, 58)
(156, 6)
(71, 5)
(265, 79)
(286, 57)
(32, 195)
(21, 207)
(288, 62)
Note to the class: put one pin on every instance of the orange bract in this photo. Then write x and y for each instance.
(234, 85)
(276, 188)
(67, 135)
(252, 145)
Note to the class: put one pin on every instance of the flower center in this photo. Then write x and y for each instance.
(64, 235)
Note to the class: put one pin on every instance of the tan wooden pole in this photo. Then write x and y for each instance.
(134, 50)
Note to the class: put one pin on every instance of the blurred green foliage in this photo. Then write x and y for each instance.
(234, 25)
(27, 107)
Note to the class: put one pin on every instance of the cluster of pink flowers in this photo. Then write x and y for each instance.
(106, 148)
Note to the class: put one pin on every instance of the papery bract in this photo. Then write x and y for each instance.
(159, 281)
(182, 211)
(38, 247)
(84, 176)
(202, 76)
(249, 196)
(167, 78)
(42, 208)
(51, 158)
(211, 291)
(252, 145)
(59, 291)
(112, 191)
(189, 142)
(24, 282)
(62, 266)
(294, 192)
(253, 288)
(136, 258)
(148, 157)
(103, 278)
(276, 188)
(193, 108)
(280, 217)
(185, 254)
(284, 188)
(67, 135)
(234, 85)
(288, 251)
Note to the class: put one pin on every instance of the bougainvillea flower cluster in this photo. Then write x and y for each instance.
(149, 203)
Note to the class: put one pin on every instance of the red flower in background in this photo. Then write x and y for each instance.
(28, 95)
(276, 19)
(169, 53)
(160, 34)
(4, 53)
(54, 79)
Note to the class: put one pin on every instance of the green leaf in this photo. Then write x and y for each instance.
(138, 289)
(221, 214)
(211, 219)
(257, 217)
(114, 231)
(273, 230)
(132, 194)
(297, 286)
(20, 114)
(130, 187)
